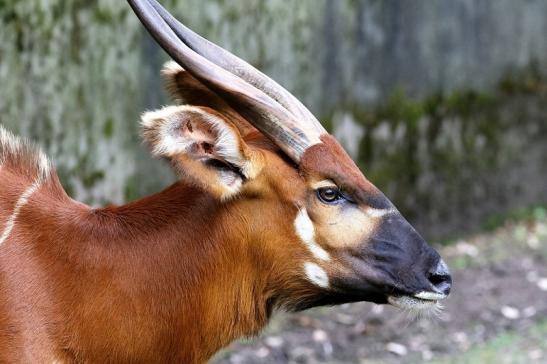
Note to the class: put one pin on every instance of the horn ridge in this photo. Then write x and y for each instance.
(259, 108)
(238, 67)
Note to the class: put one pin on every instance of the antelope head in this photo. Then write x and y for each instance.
(312, 226)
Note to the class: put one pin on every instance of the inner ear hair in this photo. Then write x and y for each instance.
(198, 133)
(190, 130)
(202, 146)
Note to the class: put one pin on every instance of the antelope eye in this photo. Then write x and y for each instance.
(329, 195)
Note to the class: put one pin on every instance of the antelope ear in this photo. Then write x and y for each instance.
(203, 147)
(185, 89)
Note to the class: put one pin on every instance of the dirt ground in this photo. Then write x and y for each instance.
(499, 297)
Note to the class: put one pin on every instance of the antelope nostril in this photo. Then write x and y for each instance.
(441, 279)
(442, 284)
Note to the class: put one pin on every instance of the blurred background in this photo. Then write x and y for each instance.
(443, 104)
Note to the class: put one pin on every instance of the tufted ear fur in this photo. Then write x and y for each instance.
(203, 147)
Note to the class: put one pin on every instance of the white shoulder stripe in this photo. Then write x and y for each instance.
(22, 201)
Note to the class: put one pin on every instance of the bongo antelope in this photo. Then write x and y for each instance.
(269, 213)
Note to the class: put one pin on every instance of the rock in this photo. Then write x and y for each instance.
(328, 349)
(306, 321)
(320, 336)
(237, 359)
(274, 341)
(359, 328)
(462, 340)
(460, 337)
(532, 276)
(510, 313)
(427, 355)
(302, 354)
(377, 309)
(397, 349)
(465, 248)
(262, 352)
(529, 311)
(542, 284)
(533, 242)
(345, 319)
(535, 354)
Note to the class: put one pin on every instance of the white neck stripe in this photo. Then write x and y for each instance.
(22, 201)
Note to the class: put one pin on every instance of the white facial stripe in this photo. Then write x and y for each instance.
(316, 275)
(306, 232)
(378, 212)
(23, 200)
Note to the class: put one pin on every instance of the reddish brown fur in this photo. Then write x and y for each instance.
(172, 277)
(330, 160)
(176, 276)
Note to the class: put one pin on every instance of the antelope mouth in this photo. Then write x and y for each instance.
(419, 301)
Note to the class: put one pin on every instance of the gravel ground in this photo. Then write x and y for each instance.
(500, 285)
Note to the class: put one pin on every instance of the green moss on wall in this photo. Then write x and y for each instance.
(454, 158)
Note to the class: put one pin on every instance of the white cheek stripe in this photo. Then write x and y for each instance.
(378, 212)
(306, 232)
(23, 200)
(316, 275)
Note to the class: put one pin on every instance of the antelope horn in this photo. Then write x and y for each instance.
(238, 67)
(259, 108)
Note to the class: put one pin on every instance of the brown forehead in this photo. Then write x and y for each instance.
(328, 160)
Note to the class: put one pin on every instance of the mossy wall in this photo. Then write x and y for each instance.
(453, 159)
(70, 78)
(385, 75)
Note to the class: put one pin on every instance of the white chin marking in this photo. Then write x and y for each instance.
(433, 296)
(316, 275)
(408, 302)
(306, 232)
(415, 306)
